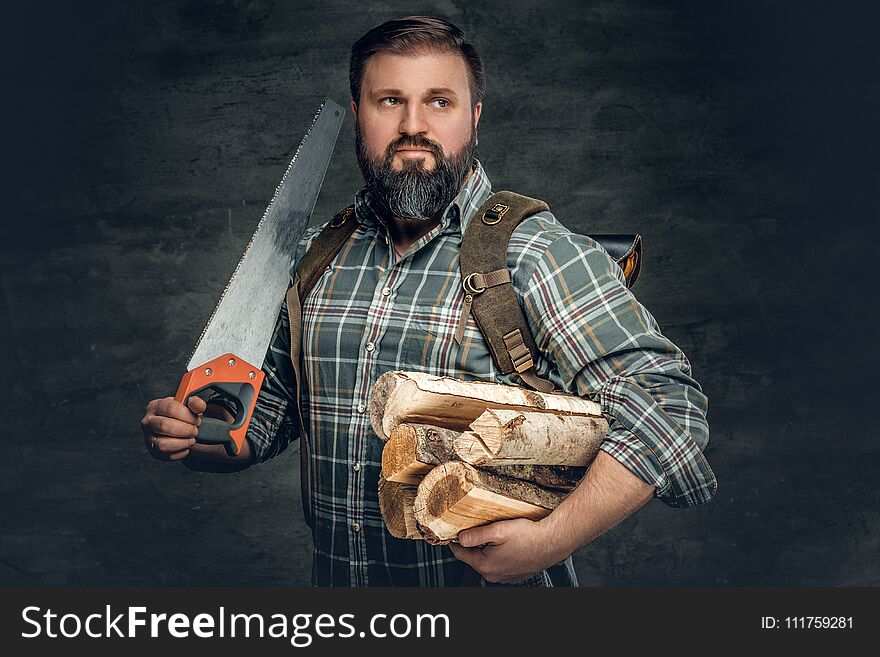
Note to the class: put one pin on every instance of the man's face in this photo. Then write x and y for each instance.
(415, 131)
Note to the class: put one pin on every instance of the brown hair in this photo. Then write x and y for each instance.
(416, 35)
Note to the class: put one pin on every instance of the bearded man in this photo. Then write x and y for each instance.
(392, 299)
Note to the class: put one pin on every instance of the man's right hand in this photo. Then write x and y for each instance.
(170, 431)
(170, 428)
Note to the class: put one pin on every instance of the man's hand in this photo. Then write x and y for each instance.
(170, 431)
(508, 551)
(512, 550)
(170, 428)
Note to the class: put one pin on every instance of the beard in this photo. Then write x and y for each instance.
(414, 193)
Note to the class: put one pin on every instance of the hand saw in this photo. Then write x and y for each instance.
(228, 356)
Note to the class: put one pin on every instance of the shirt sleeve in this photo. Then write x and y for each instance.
(607, 347)
(276, 424)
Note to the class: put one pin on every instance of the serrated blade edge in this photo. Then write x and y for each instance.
(244, 317)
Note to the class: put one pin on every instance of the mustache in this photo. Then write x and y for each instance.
(414, 141)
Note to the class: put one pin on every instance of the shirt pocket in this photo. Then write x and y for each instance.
(423, 338)
(428, 344)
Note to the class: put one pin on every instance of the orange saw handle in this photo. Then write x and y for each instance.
(239, 382)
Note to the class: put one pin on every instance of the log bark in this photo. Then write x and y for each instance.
(561, 477)
(396, 503)
(508, 437)
(415, 449)
(456, 496)
(415, 397)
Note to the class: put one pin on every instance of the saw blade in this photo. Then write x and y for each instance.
(245, 315)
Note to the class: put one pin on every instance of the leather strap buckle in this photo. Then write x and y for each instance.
(495, 214)
(342, 217)
(468, 284)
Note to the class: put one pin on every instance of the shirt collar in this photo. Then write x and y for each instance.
(458, 213)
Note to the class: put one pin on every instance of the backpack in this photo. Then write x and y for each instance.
(489, 293)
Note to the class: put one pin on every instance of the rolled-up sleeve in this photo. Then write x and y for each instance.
(607, 347)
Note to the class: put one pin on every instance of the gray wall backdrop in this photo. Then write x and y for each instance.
(144, 139)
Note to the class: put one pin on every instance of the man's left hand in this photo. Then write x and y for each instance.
(508, 551)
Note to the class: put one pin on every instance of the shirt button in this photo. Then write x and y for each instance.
(386, 291)
(361, 408)
(370, 346)
(356, 467)
(356, 527)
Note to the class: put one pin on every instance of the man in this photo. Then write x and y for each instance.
(392, 300)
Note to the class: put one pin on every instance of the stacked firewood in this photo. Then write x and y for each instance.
(462, 454)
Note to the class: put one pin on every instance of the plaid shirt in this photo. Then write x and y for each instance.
(373, 311)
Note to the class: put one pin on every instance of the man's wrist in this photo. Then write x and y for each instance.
(606, 495)
(559, 540)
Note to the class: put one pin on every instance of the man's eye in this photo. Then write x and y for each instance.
(389, 101)
(441, 102)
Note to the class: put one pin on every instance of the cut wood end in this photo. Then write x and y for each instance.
(399, 451)
(396, 502)
(394, 407)
(379, 393)
(456, 496)
(441, 488)
(412, 474)
(469, 447)
(454, 487)
(433, 539)
(506, 417)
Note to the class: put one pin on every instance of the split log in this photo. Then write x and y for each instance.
(456, 496)
(507, 437)
(396, 503)
(415, 449)
(415, 397)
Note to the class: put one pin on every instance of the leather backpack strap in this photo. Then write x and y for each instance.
(321, 253)
(489, 293)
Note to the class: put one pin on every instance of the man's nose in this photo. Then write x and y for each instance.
(413, 121)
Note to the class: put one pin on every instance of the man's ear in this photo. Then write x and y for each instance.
(354, 109)
(478, 109)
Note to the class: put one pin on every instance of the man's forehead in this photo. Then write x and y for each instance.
(426, 71)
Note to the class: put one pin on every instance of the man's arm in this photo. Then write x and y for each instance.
(274, 423)
(601, 343)
(511, 550)
(608, 494)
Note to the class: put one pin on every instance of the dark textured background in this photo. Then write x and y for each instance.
(142, 142)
